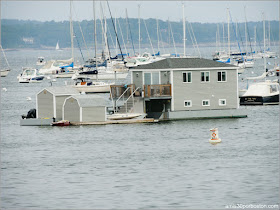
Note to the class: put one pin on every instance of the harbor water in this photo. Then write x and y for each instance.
(165, 165)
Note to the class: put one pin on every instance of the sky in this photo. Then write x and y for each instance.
(195, 11)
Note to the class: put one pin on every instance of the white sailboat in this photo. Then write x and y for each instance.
(57, 46)
(5, 71)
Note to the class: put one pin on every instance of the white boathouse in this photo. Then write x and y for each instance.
(85, 108)
(49, 101)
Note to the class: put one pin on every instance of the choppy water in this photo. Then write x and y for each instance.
(168, 165)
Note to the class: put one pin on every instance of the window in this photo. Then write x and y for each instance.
(222, 76)
(273, 88)
(187, 77)
(205, 76)
(205, 103)
(187, 103)
(151, 78)
(222, 102)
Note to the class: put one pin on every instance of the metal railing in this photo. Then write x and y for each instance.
(131, 96)
(157, 90)
(122, 96)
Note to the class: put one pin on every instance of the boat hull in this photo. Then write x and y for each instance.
(4, 73)
(93, 89)
(259, 100)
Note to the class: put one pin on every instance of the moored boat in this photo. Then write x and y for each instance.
(61, 123)
(261, 93)
(85, 84)
(29, 75)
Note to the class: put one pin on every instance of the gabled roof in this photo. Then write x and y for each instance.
(62, 90)
(180, 63)
(90, 100)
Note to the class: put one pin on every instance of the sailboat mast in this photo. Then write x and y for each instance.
(158, 34)
(139, 27)
(95, 38)
(269, 34)
(71, 31)
(184, 30)
(264, 56)
(246, 31)
(228, 35)
(116, 32)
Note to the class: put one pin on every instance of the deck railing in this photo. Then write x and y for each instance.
(118, 90)
(157, 90)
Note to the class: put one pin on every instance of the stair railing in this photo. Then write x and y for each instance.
(131, 96)
(121, 96)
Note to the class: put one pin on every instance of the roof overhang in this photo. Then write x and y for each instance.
(188, 69)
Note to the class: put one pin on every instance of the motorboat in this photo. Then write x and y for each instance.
(5, 72)
(61, 123)
(29, 75)
(244, 63)
(40, 61)
(86, 85)
(261, 93)
(58, 66)
(123, 116)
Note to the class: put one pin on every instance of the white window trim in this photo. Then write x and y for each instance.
(186, 72)
(220, 104)
(206, 100)
(187, 101)
(205, 77)
(221, 76)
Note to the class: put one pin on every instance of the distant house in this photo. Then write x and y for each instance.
(28, 40)
(187, 88)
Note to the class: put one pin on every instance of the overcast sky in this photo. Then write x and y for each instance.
(195, 11)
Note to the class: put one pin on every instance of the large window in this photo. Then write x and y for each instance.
(187, 77)
(205, 76)
(222, 76)
(151, 78)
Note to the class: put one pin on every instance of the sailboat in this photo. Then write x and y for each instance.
(57, 46)
(261, 93)
(5, 72)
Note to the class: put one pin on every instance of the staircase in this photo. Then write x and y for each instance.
(132, 104)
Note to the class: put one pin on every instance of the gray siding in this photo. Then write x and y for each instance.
(59, 105)
(138, 81)
(71, 110)
(198, 91)
(165, 77)
(94, 114)
(45, 105)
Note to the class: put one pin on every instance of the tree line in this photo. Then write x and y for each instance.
(36, 34)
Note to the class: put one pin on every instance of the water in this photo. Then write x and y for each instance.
(167, 165)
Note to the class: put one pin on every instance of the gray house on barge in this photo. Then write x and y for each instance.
(185, 88)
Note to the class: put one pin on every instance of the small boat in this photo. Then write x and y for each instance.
(261, 93)
(61, 123)
(124, 116)
(41, 61)
(85, 84)
(29, 75)
(5, 72)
